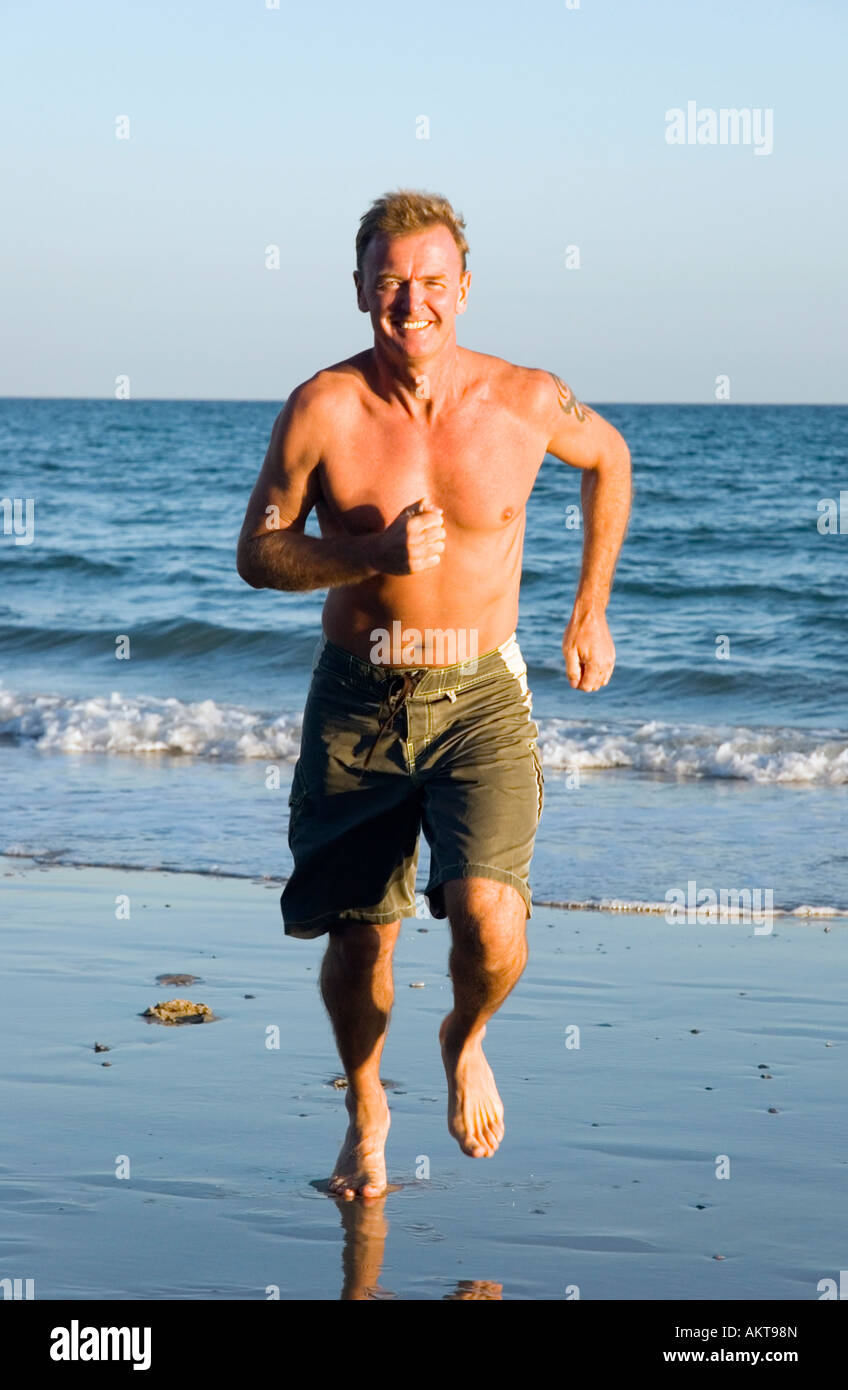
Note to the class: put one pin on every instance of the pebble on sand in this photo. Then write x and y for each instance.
(417, 984)
(179, 1011)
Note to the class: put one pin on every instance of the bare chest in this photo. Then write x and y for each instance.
(479, 466)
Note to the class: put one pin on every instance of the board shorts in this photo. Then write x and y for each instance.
(389, 751)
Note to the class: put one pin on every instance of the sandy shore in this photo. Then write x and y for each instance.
(690, 1036)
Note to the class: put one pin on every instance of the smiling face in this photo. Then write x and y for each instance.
(413, 287)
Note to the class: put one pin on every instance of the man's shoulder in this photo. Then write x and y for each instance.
(527, 389)
(331, 391)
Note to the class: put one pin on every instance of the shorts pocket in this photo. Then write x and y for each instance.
(297, 795)
(540, 778)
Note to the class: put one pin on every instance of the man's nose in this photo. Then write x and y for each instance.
(411, 296)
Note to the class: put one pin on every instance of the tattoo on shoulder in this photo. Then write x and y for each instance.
(569, 402)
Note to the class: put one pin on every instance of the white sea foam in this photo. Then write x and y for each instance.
(699, 750)
(657, 909)
(144, 724)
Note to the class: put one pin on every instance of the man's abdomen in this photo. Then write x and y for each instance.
(450, 613)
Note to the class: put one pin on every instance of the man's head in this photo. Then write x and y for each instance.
(411, 276)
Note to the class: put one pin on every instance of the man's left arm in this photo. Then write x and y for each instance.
(582, 438)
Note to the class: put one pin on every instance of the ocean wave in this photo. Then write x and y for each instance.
(659, 909)
(168, 638)
(694, 751)
(144, 724)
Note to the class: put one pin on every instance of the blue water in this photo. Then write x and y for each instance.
(730, 771)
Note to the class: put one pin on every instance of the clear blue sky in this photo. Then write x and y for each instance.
(253, 126)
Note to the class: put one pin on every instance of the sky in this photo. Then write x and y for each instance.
(694, 268)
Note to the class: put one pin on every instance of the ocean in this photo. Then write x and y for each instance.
(718, 754)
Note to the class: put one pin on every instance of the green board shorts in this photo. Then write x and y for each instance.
(389, 751)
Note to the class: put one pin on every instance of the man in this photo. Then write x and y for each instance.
(418, 457)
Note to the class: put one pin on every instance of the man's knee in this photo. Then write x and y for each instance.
(361, 945)
(486, 916)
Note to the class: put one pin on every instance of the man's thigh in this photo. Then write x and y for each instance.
(353, 831)
(483, 794)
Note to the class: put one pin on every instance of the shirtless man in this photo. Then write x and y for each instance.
(418, 457)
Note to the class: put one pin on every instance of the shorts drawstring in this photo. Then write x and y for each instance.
(394, 701)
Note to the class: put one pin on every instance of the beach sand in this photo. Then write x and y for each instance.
(605, 1186)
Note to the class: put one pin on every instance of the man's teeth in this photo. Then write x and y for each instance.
(416, 323)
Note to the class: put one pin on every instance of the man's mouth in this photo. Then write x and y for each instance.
(409, 325)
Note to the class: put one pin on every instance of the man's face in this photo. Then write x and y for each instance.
(413, 287)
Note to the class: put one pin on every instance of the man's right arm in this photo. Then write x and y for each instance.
(273, 552)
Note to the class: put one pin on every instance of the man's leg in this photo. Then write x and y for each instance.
(358, 989)
(488, 927)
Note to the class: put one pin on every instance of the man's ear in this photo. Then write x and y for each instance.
(464, 287)
(360, 298)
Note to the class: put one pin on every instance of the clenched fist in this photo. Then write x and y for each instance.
(588, 650)
(414, 541)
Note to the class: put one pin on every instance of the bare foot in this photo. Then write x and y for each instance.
(475, 1110)
(360, 1169)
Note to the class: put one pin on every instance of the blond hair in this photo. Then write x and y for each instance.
(405, 211)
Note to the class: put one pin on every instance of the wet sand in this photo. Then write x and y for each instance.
(690, 1037)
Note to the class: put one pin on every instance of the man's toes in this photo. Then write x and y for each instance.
(474, 1146)
(482, 1141)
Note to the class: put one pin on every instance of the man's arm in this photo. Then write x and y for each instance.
(582, 438)
(274, 553)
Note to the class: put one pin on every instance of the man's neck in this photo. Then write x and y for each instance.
(423, 388)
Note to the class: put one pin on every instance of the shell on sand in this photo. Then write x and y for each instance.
(179, 1011)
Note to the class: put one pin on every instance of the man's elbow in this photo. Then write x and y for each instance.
(615, 461)
(246, 566)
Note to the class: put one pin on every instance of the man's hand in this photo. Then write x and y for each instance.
(414, 541)
(588, 649)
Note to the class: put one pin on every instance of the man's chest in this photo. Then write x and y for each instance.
(480, 468)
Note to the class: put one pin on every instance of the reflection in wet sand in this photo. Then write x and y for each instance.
(365, 1229)
(477, 1288)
